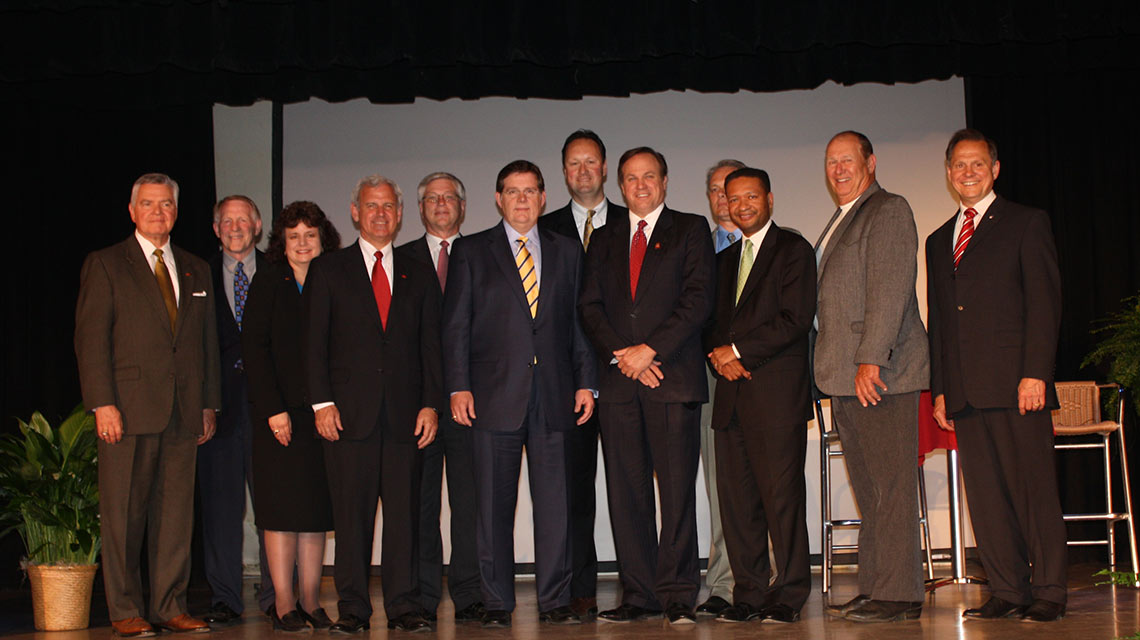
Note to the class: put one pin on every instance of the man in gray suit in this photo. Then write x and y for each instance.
(872, 358)
(146, 342)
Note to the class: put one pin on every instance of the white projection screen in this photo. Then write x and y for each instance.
(328, 147)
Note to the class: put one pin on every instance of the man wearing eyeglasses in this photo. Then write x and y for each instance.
(443, 206)
(518, 369)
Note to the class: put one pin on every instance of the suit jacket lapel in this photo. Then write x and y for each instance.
(548, 284)
(503, 254)
(658, 244)
(139, 266)
(761, 263)
(185, 288)
(357, 272)
(621, 249)
(992, 216)
(843, 226)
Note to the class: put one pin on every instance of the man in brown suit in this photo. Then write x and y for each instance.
(147, 347)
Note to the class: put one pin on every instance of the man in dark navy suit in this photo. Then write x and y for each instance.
(375, 382)
(584, 169)
(224, 462)
(647, 293)
(518, 369)
(443, 206)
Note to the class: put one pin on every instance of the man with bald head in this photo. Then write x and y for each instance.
(872, 358)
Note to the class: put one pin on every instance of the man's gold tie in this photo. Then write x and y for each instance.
(529, 277)
(589, 230)
(166, 287)
(745, 268)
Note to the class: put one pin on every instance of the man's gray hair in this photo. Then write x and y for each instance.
(154, 178)
(460, 190)
(376, 180)
(727, 162)
(235, 198)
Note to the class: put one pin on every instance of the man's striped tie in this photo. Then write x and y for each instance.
(525, 265)
(964, 236)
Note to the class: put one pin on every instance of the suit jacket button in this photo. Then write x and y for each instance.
(633, 315)
(380, 371)
(960, 308)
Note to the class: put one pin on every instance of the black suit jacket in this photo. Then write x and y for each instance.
(995, 320)
(271, 343)
(418, 250)
(229, 341)
(495, 350)
(674, 299)
(562, 220)
(354, 362)
(769, 326)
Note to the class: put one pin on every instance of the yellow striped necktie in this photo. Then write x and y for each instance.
(525, 264)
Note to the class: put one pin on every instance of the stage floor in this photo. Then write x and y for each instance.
(1093, 612)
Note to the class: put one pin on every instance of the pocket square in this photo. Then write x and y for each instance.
(199, 294)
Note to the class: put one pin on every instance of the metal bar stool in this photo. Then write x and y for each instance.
(1079, 415)
(829, 447)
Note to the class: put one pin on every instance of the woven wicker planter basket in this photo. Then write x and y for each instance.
(61, 595)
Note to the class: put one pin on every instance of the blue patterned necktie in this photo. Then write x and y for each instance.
(241, 288)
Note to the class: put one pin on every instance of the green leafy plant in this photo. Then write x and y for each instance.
(1135, 636)
(49, 488)
(1118, 578)
(1121, 346)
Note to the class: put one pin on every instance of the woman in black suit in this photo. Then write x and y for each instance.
(289, 484)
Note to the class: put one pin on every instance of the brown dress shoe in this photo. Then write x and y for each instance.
(584, 607)
(134, 627)
(183, 623)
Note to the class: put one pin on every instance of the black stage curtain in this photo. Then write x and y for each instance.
(70, 174)
(1067, 144)
(397, 50)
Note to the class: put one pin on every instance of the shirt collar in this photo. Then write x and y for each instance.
(581, 212)
(513, 236)
(650, 218)
(148, 247)
(982, 206)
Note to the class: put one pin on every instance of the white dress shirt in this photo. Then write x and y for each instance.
(579, 212)
(369, 253)
(981, 208)
(433, 243)
(650, 222)
(167, 257)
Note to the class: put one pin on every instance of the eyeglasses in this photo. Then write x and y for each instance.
(433, 199)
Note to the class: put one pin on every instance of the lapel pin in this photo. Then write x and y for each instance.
(656, 245)
(404, 276)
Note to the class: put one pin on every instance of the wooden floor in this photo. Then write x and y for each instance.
(1093, 612)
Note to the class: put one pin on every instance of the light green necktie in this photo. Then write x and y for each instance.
(745, 268)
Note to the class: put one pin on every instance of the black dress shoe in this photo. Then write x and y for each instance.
(780, 613)
(318, 619)
(1043, 611)
(471, 613)
(841, 610)
(221, 613)
(496, 619)
(412, 622)
(349, 624)
(627, 613)
(292, 622)
(885, 611)
(678, 613)
(994, 608)
(713, 606)
(740, 612)
(560, 615)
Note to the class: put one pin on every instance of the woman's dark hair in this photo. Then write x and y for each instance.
(293, 214)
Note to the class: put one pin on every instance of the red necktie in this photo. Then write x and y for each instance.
(381, 290)
(964, 236)
(441, 265)
(636, 257)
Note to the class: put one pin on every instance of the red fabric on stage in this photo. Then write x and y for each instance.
(930, 435)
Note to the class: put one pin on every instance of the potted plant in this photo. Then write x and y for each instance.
(49, 493)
